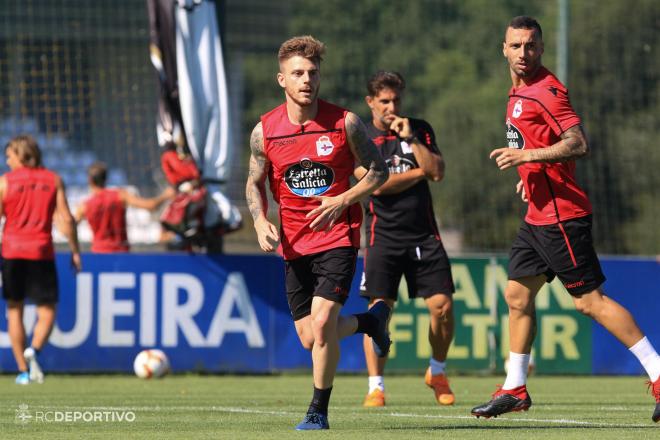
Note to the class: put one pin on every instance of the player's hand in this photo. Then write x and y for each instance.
(401, 126)
(76, 262)
(267, 234)
(327, 213)
(520, 188)
(169, 193)
(508, 157)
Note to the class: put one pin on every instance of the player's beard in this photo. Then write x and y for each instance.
(301, 103)
(386, 119)
(531, 70)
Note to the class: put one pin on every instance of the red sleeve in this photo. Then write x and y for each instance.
(559, 113)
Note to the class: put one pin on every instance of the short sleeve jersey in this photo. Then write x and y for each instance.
(106, 214)
(536, 116)
(407, 217)
(29, 203)
(308, 160)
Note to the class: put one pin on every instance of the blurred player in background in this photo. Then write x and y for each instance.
(183, 218)
(105, 210)
(545, 138)
(306, 149)
(31, 197)
(402, 235)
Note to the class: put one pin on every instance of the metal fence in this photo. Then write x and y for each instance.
(76, 74)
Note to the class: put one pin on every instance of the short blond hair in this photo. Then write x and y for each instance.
(305, 46)
(27, 150)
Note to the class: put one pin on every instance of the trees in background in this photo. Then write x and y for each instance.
(450, 54)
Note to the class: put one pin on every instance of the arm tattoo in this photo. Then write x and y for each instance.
(573, 145)
(255, 189)
(365, 150)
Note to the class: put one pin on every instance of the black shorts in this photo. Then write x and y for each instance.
(565, 250)
(328, 274)
(425, 266)
(33, 279)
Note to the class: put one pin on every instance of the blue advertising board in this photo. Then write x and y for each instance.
(208, 313)
(635, 284)
(228, 313)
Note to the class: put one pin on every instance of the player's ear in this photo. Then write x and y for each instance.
(369, 100)
(280, 79)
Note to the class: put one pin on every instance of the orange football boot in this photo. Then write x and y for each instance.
(440, 385)
(376, 398)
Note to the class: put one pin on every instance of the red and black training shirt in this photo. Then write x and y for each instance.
(536, 116)
(310, 160)
(405, 218)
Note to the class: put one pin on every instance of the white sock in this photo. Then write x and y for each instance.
(376, 383)
(437, 367)
(648, 357)
(517, 374)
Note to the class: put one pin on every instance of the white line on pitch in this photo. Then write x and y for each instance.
(553, 421)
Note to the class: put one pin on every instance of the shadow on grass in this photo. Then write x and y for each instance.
(519, 427)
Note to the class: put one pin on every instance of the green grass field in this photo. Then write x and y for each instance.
(268, 407)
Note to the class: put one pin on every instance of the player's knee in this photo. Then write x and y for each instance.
(585, 307)
(442, 310)
(320, 324)
(307, 342)
(518, 303)
(306, 339)
(590, 304)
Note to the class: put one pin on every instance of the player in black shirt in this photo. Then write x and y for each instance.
(401, 233)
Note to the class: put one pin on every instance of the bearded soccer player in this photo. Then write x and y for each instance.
(402, 234)
(306, 148)
(545, 138)
(30, 195)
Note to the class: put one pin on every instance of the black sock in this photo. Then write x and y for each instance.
(35, 350)
(367, 323)
(320, 401)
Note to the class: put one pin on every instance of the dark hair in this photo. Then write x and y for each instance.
(305, 46)
(385, 80)
(97, 173)
(524, 22)
(27, 150)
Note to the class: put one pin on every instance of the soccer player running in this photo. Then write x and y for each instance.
(105, 211)
(306, 148)
(402, 235)
(545, 138)
(31, 197)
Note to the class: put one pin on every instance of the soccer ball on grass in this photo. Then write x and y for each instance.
(151, 363)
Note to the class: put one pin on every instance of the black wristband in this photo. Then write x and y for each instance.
(410, 138)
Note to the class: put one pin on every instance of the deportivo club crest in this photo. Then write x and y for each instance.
(517, 108)
(324, 146)
(308, 178)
